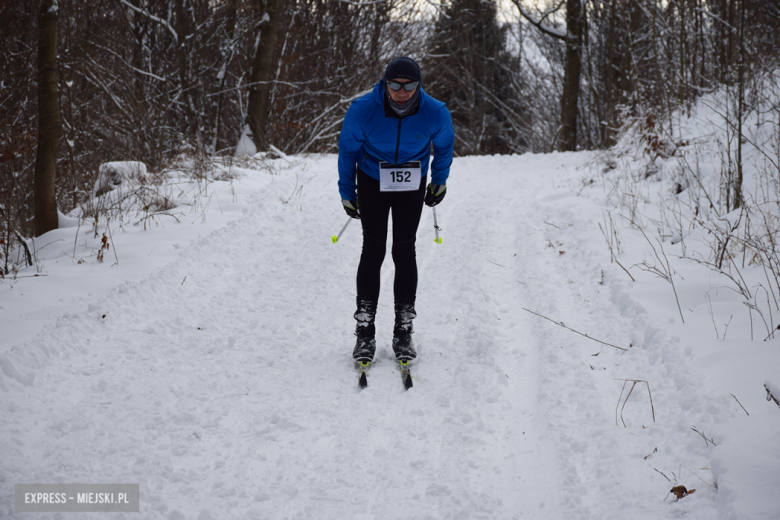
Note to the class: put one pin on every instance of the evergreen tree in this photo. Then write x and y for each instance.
(468, 67)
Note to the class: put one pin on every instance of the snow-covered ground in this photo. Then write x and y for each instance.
(209, 361)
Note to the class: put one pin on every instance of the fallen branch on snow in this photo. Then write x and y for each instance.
(772, 393)
(560, 324)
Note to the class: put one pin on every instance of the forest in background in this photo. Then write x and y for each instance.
(90, 81)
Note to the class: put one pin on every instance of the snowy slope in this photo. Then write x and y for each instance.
(218, 374)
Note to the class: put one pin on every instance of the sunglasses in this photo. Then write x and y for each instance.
(407, 86)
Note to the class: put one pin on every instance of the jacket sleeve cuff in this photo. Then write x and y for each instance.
(440, 177)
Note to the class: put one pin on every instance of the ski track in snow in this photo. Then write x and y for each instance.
(231, 393)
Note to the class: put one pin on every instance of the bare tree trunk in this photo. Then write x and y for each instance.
(732, 37)
(721, 38)
(49, 127)
(609, 100)
(738, 199)
(139, 28)
(263, 72)
(696, 47)
(628, 70)
(571, 76)
(184, 45)
(571, 70)
(681, 93)
(219, 85)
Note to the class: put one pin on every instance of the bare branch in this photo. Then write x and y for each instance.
(560, 324)
(149, 15)
(361, 4)
(539, 22)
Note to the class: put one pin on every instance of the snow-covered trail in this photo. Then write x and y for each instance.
(223, 384)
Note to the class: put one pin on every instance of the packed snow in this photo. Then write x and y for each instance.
(207, 357)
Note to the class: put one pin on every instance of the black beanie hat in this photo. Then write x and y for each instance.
(404, 68)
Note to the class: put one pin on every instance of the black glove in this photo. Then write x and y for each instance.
(435, 194)
(351, 207)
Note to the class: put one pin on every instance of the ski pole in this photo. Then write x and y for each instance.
(335, 238)
(436, 227)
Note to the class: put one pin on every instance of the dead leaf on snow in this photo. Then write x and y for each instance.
(680, 491)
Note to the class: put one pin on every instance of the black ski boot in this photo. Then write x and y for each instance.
(403, 346)
(365, 347)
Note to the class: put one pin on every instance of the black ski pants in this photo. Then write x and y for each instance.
(375, 208)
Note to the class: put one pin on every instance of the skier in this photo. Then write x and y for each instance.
(384, 154)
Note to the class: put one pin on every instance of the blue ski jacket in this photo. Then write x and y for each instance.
(369, 136)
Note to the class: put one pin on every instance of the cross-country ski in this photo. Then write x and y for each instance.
(406, 374)
(362, 369)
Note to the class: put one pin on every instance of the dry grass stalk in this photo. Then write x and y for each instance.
(608, 238)
(706, 440)
(664, 272)
(740, 404)
(633, 384)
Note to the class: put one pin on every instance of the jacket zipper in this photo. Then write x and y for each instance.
(397, 142)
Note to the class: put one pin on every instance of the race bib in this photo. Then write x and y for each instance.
(399, 177)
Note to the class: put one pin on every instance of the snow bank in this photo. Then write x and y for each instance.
(112, 175)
